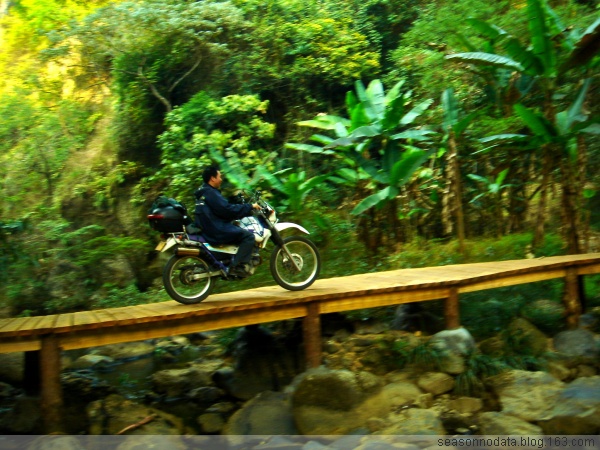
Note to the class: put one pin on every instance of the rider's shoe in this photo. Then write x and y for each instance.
(240, 270)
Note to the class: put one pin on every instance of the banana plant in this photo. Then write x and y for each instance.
(541, 57)
(454, 125)
(564, 134)
(295, 187)
(552, 51)
(380, 135)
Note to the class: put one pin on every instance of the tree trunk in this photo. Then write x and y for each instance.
(538, 237)
(572, 178)
(453, 211)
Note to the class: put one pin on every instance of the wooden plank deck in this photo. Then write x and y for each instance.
(269, 304)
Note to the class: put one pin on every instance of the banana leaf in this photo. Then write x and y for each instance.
(491, 32)
(315, 149)
(536, 122)
(487, 59)
(585, 49)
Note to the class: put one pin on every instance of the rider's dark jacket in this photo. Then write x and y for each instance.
(214, 214)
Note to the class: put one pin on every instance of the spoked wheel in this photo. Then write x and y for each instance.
(187, 279)
(295, 277)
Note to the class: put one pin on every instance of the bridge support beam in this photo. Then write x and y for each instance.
(452, 310)
(311, 328)
(573, 297)
(51, 390)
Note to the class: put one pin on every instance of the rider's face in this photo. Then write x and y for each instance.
(217, 180)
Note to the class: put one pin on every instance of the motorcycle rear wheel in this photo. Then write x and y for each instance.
(306, 255)
(182, 282)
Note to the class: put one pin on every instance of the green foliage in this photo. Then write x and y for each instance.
(205, 130)
(58, 267)
(478, 368)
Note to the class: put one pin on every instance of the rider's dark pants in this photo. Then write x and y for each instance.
(246, 245)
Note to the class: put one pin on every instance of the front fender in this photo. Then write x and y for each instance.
(285, 225)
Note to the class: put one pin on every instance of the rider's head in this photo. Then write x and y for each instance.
(212, 176)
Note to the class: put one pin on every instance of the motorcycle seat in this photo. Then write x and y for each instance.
(197, 238)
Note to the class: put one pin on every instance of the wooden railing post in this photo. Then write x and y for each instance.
(311, 328)
(572, 297)
(452, 309)
(51, 390)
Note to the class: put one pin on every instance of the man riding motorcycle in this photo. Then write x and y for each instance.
(214, 214)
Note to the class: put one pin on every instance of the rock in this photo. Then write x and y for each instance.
(453, 364)
(339, 390)
(331, 402)
(527, 335)
(114, 413)
(529, 396)
(205, 394)
(545, 315)
(424, 401)
(584, 370)
(92, 362)
(558, 370)
(153, 443)
(12, 367)
(457, 341)
(7, 391)
(466, 405)
(576, 344)
(370, 326)
(497, 423)
(56, 443)
(211, 423)
(125, 351)
(266, 414)
(23, 418)
(84, 386)
(176, 383)
(588, 322)
(576, 409)
(222, 408)
(413, 422)
(436, 383)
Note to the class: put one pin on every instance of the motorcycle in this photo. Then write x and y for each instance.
(190, 274)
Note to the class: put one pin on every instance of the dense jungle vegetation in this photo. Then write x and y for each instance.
(400, 132)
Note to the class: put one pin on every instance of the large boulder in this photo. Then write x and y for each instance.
(458, 341)
(497, 423)
(436, 383)
(115, 414)
(177, 383)
(576, 410)
(578, 345)
(332, 401)
(528, 336)
(126, 351)
(339, 390)
(414, 421)
(556, 407)
(269, 413)
(530, 396)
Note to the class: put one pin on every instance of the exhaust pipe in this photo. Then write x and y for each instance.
(187, 252)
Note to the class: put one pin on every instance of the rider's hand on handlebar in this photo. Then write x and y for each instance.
(256, 206)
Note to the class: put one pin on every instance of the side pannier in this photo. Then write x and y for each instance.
(167, 215)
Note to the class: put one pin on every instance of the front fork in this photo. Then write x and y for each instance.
(277, 239)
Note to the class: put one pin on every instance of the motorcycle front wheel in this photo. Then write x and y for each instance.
(307, 258)
(187, 279)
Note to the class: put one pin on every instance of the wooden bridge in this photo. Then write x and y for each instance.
(47, 336)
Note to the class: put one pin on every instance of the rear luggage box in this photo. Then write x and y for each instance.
(168, 219)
